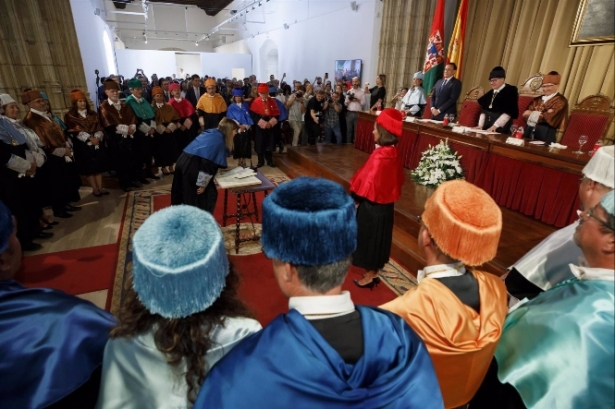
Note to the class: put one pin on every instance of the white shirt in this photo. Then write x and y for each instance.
(43, 114)
(589, 273)
(414, 96)
(442, 270)
(322, 306)
(545, 98)
(357, 104)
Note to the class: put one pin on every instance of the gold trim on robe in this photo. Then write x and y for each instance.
(461, 342)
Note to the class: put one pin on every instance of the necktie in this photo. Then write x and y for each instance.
(443, 84)
(196, 93)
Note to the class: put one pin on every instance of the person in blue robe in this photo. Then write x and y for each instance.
(239, 111)
(558, 350)
(51, 343)
(326, 352)
(193, 182)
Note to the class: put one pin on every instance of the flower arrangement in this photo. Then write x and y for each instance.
(438, 164)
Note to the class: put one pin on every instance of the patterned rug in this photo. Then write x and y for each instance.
(140, 205)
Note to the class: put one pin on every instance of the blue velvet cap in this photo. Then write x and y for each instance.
(237, 92)
(179, 261)
(6, 226)
(309, 222)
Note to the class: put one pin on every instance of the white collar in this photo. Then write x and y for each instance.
(322, 306)
(545, 98)
(114, 103)
(159, 105)
(589, 273)
(238, 104)
(500, 89)
(43, 114)
(139, 100)
(83, 112)
(442, 270)
(178, 99)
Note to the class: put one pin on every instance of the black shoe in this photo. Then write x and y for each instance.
(152, 176)
(136, 184)
(31, 246)
(260, 165)
(374, 283)
(44, 235)
(105, 192)
(144, 181)
(97, 194)
(71, 208)
(63, 215)
(271, 165)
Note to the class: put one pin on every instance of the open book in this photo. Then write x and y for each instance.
(237, 177)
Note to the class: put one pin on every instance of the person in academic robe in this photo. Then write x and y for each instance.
(500, 105)
(547, 114)
(558, 350)
(193, 182)
(88, 139)
(120, 125)
(242, 144)
(189, 123)
(169, 122)
(181, 314)
(59, 172)
(17, 172)
(414, 101)
(278, 141)
(51, 343)
(546, 265)
(211, 107)
(376, 187)
(146, 130)
(445, 94)
(458, 312)
(265, 114)
(326, 352)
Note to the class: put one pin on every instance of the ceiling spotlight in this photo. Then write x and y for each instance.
(196, 43)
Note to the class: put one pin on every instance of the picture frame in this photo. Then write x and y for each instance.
(594, 23)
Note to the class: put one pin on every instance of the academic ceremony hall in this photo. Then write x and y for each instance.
(520, 162)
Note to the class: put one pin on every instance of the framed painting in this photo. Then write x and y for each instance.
(594, 23)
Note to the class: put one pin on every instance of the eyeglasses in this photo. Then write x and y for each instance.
(590, 213)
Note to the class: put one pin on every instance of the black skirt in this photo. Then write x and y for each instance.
(242, 145)
(375, 234)
(88, 159)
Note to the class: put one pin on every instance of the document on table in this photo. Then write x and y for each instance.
(237, 177)
(484, 132)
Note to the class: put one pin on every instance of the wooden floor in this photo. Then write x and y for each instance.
(340, 162)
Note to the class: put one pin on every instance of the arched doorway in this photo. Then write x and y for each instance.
(268, 54)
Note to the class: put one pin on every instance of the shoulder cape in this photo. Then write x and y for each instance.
(380, 179)
(8, 132)
(184, 108)
(240, 115)
(289, 365)
(265, 108)
(49, 132)
(143, 110)
(209, 145)
(76, 123)
(109, 116)
(211, 105)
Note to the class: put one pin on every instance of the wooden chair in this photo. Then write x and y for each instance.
(528, 90)
(590, 117)
(470, 108)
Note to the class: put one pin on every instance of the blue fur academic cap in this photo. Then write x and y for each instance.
(179, 261)
(309, 222)
(6, 226)
(608, 202)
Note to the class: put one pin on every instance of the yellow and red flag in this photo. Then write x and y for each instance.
(455, 49)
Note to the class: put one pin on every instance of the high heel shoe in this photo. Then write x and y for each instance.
(373, 283)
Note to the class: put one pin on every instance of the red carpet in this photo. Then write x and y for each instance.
(258, 288)
(72, 271)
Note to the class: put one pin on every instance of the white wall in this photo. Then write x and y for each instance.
(221, 65)
(187, 64)
(310, 47)
(90, 29)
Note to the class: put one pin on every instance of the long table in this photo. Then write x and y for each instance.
(534, 180)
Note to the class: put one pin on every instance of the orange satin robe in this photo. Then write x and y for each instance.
(211, 105)
(460, 341)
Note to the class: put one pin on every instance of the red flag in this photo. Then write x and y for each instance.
(455, 49)
(434, 60)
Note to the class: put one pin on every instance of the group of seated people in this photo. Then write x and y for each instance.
(543, 337)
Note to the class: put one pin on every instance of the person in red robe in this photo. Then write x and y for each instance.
(376, 186)
(265, 113)
(188, 118)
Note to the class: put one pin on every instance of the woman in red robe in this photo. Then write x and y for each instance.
(376, 187)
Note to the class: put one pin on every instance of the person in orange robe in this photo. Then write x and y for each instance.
(211, 107)
(549, 113)
(376, 187)
(458, 312)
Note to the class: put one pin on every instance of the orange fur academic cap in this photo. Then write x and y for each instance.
(30, 95)
(464, 221)
(210, 82)
(551, 78)
(156, 91)
(76, 95)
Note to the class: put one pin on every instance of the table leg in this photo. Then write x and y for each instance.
(255, 205)
(238, 222)
(224, 213)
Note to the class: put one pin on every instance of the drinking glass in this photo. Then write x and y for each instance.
(582, 141)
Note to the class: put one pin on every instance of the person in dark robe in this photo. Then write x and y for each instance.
(500, 106)
(211, 107)
(278, 140)
(87, 136)
(120, 125)
(189, 123)
(265, 114)
(326, 352)
(168, 123)
(239, 111)
(51, 343)
(146, 130)
(17, 187)
(547, 114)
(193, 182)
(377, 186)
(59, 172)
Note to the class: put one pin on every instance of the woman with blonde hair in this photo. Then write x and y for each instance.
(193, 183)
(180, 315)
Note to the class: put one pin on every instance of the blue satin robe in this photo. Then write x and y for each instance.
(50, 344)
(290, 365)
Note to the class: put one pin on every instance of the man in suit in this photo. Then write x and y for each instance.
(445, 94)
(195, 91)
(164, 84)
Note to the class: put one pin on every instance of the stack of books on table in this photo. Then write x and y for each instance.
(237, 177)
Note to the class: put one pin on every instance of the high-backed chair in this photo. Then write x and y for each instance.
(590, 117)
(470, 108)
(427, 109)
(528, 90)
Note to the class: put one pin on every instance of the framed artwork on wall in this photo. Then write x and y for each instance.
(347, 69)
(594, 23)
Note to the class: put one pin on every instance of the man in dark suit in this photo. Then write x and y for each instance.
(164, 84)
(445, 94)
(195, 91)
